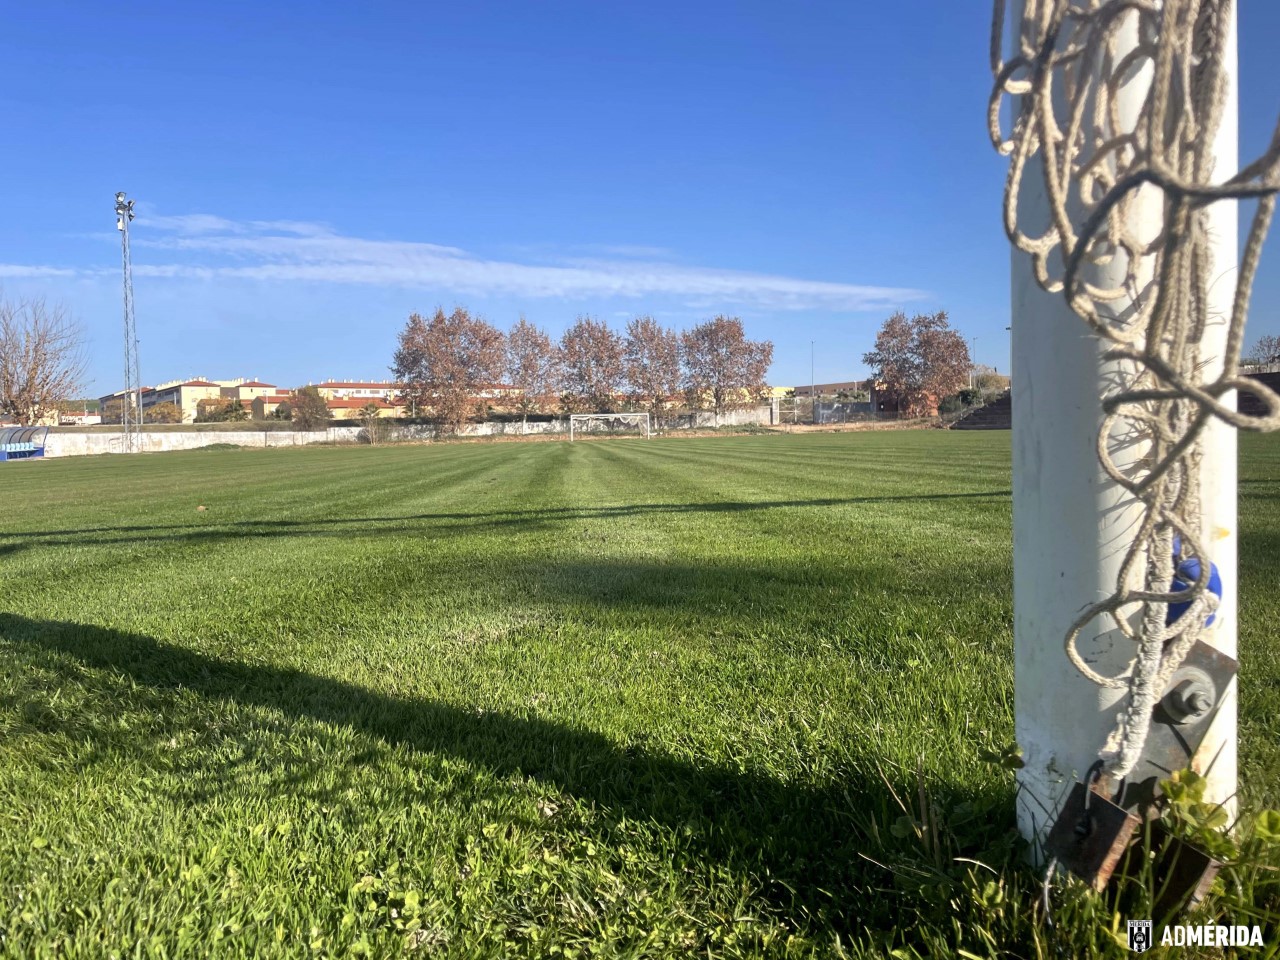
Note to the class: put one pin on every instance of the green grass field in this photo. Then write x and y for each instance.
(474, 700)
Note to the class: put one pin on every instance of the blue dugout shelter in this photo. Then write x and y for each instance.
(22, 443)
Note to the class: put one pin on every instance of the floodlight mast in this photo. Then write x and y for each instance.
(1071, 523)
(131, 402)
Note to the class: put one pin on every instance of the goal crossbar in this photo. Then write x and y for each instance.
(642, 420)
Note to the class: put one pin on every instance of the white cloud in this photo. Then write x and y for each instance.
(190, 223)
(204, 247)
(17, 270)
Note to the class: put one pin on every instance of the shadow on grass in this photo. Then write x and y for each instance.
(807, 844)
(465, 520)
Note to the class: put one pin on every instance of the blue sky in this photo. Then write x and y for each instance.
(308, 174)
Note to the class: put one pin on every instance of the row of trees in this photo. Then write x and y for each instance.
(446, 362)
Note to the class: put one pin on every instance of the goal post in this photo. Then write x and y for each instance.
(1128, 307)
(583, 421)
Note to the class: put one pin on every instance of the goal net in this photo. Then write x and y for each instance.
(609, 424)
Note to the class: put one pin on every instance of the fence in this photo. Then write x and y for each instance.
(70, 443)
(803, 410)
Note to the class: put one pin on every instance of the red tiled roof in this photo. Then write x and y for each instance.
(197, 383)
(257, 383)
(357, 402)
(273, 397)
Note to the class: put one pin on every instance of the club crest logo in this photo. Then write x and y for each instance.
(1139, 935)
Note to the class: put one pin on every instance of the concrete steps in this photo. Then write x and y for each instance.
(996, 415)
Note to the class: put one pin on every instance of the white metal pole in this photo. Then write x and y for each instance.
(1072, 525)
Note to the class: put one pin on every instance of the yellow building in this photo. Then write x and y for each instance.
(352, 408)
(265, 404)
(183, 394)
(246, 391)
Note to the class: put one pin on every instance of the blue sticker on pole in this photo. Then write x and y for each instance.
(1187, 575)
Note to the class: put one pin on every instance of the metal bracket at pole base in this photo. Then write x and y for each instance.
(1093, 833)
(1180, 722)
(1182, 873)
(1090, 835)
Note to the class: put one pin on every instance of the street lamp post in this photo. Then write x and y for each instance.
(1009, 330)
(813, 386)
(131, 401)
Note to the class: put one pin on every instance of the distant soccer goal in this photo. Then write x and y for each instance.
(607, 423)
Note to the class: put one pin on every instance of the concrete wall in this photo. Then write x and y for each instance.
(72, 444)
(68, 444)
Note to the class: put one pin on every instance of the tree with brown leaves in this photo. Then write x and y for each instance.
(722, 367)
(591, 363)
(308, 409)
(444, 362)
(531, 365)
(164, 412)
(42, 359)
(919, 361)
(651, 361)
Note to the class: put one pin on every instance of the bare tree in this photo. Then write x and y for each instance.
(651, 359)
(445, 362)
(591, 367)
(723, 367)
(532, 362)
(987, 382)
(1266, 351)
(42, 359)
(919, 361)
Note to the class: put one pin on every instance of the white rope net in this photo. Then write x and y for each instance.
(1073, 71)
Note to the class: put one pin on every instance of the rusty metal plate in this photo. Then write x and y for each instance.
(1090, 842)
(1183, 873)
(1175, 737)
